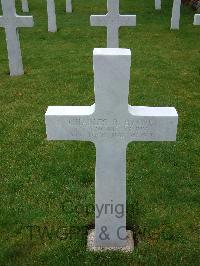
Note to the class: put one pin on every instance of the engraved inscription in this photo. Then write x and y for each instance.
(110, 128)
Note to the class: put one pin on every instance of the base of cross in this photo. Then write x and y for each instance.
(129, 247)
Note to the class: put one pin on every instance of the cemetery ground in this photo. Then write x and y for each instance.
(47, 188)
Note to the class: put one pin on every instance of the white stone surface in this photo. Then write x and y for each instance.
(197, 19)
(113, 21)
(25, 7)
(158, 4)
(69, 6)
(51, 12)
(111, 124)
(11, 22)
(176, 12)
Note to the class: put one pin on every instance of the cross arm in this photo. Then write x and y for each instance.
(128, 20)
(68, 123)
(98, 20)
(24, 21)
(153, 123)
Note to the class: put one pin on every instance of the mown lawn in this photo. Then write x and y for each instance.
(47, 188)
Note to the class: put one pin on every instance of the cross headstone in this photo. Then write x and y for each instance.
(111, 124)
(11, 22)
(157, 4)
(25, 7)
(113, 21)
(69, 6)
(176, 12)
(197, 19)
(51, 12)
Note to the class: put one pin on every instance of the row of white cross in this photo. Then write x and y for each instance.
(25, 7)
(175, 19)
(112, 20)
(11, 22)
(176, 13)
(111, 123)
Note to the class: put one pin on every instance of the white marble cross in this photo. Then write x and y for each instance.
(113, 21)
(25, 7)
(69, 6)
(176, 12)
(157, 4)
(51, 12)
(197, 19)
(111, 124)
(11, 22)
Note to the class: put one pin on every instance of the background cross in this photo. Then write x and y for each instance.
(197, 19)
(113, 21)
(25, 7)
(11, 21)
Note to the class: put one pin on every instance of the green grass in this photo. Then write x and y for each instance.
(52, 183)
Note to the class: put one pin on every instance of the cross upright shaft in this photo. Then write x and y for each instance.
(111, 124)
(51, 12)
(176, 12)
(158, 4)
(115, 102)
(69, 6)
(25, 6)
